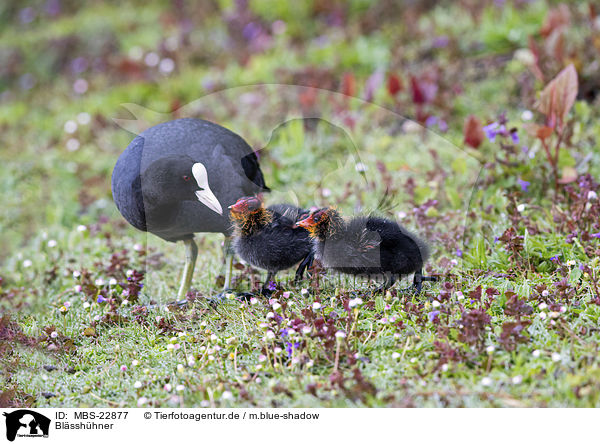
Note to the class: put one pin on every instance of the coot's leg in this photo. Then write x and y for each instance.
(228, 253)
(418, 281)
(307, 262)
(191, 253)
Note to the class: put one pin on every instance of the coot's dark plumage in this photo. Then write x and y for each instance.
(268, 238)
(175, 179)
(366, 245)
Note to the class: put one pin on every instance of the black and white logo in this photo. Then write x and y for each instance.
(26, 423)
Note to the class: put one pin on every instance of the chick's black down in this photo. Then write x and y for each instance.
(276, 245)
(372, 245)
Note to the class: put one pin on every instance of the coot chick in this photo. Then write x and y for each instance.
(366, 245)
(268, 237)
(175, 178)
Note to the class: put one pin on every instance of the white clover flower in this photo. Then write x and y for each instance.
(80, 86)
(542, 315)
(536, 353)
(521, 208)
(99, 282)
(76, 274)
(112, 281)
(143, 400)
(167, 387)
(129, 272)
(70, 126)
(413, 360)
(555, 357)
(135, 362)
(180, 368)
(270, 315)
(54, 335)
(306, 329)
(486, 381)
(78, 289)
(137, 384)
(276, 306)
(83, 118)
(97, 318)
(123, 368)
(444, 367)
(340, 334)
(304, 292)
(227, 395)
(355, 302)
(396, 355)
(170, 347)
(517, 379)
(316, 306)
(401, 215)
(73, 144)
(563, 309)
(81, 228)
(543, 306)
(545, 293)
(86, 305)
(287, 294)
(435, 304)
(52, 243)
(262, 358)
(204, 403)
(151, 59)
(277, 350)
(526, 115)
(490, 349)
(270, 334)
(360, 167)
(253, 301)
(592, 195)
(166, 65)
(459, 295)
(27, 263)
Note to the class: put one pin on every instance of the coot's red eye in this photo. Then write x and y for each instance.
(186, 178)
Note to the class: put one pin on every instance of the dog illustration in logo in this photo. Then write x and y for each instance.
(26, 422)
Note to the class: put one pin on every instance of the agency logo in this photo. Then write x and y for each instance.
(26, 423)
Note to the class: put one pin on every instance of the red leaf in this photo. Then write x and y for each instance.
(473, 132)
(558, 96)
(348, 84)
(418, 96)
(555, 19)
(394, 84)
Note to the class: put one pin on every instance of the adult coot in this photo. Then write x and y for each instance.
(268, 237)
(175, 178)
(366, 245)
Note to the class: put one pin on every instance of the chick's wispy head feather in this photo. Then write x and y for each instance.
(249, 213)
(321, 222)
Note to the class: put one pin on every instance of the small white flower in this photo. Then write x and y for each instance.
(180, 368)
(52, 243)
(555, 357)
(490, 349)
(444, 367)
(542, 315)
(180, 388)
(486, 381)
(276, 306)
(135, 362)
(543, 306)
(521, 208)
(227, 395)
(571, 263)
(83, 118)
(54, 335)
(166, 65)
(545, 293)
(137, 384)
(536, 353)
(143, 400)
(306, 329)
(355, 302)
(526, 115)
(316, 306)
(563, 309)
(99, 282)
(97, 318)
(270, 315)
(80, 86)
(592, 195)
(168, 387)
(73, 144)
(67, 304)
(81, 228)
(170, 347)
(76, 274)
(459, 295)
(151, 59)
(304, 292)
(287, 294)
(360, 167)
(517, 379)
(77, 288)
(401, 214)
(395, 355)
(435, 304)
(70, 126)
(204, 403)
(270, 335)
(325, 192)
(262, 358)
(340, 334)
(86, 305)
(253, 301)
(27, 263)
(277, 350)
(454, 262)
(112, 281)
(413, 360)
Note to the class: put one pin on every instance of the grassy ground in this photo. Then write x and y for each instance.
(512, 322)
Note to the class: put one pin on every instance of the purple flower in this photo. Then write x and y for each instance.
(101, 299)
(491, 131)
(441, 41)
(272, 286)
(459, 252)
(442, 125)
(514, 136)
(554, 259)
(596, 235)
(581, 267)
(431, 120)
(433, 315)
(523, 184)
(289, 347)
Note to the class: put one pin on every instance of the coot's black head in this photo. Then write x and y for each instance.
(174, 179)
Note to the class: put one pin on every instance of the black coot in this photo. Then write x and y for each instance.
(366, 245)
(175, 179)
(268, 238)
